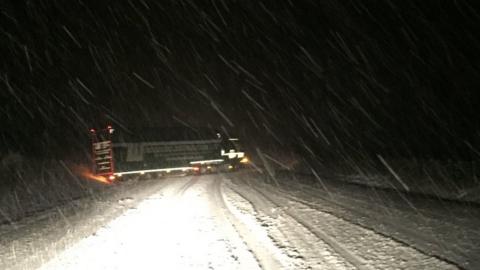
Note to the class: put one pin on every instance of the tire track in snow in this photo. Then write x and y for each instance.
(311, 250)
(176, 228)
(265, 257)
(342, 250)
(378, 251)
(181, 191)
(386, 221)
(425, 214)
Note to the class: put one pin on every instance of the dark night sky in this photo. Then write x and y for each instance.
(332, 77)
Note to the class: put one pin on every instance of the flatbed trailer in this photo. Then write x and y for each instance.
(161, 151)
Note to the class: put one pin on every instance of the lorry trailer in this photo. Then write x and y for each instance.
(159, 151)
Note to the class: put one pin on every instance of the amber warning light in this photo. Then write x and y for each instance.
(85, 173)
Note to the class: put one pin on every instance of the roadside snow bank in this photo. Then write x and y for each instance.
(453, 180)
(28, 186)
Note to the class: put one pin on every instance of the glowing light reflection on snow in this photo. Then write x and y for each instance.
(172, 232)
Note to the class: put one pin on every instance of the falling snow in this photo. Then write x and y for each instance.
(359, 122)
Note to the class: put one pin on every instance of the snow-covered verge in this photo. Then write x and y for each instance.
(443, 229)
(320, 234)
(29, 186)
(237, 221)
(33, 240)
(453, 180)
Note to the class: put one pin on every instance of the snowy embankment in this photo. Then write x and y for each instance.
(30, 186)
(36, 237)
(451, 180)
(444, 229)
(215, 221)
(240, 221)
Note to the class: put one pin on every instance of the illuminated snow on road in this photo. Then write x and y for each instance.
(174, 229)
(216, 221)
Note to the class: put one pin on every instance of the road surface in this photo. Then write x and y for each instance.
(239, 221)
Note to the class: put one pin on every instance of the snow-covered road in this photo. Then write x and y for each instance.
(179, 227)
(232, 221)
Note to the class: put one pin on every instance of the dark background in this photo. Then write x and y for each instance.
(327, 79)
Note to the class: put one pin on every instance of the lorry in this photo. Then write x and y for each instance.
(124, 152)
